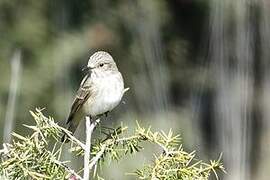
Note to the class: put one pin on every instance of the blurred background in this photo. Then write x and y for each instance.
(200, 67)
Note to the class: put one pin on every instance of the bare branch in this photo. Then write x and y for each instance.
(90, 126)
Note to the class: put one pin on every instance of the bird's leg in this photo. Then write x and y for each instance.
(106, 115)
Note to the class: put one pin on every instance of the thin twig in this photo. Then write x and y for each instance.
(67, 133)
(95, 159)
(68, 169)
(127, 138)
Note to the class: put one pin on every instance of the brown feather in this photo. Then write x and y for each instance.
(82, 95)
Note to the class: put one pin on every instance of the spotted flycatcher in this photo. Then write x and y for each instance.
(100, 91)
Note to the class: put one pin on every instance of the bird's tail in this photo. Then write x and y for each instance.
(72, 124)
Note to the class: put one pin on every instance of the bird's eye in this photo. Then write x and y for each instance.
(101, 65)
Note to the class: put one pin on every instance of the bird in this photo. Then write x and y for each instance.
(100, 91)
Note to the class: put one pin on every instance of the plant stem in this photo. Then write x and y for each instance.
(95, 159)
(89, 127)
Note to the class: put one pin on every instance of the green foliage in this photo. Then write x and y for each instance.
(171, 163)
(31, 157)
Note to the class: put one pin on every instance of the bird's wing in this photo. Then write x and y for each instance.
(83, 93)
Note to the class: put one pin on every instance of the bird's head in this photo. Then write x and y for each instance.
(101, 61)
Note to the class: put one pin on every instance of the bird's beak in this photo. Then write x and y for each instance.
(86, 68)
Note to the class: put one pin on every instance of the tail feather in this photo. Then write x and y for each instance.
(71, 126)
(64, 139)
